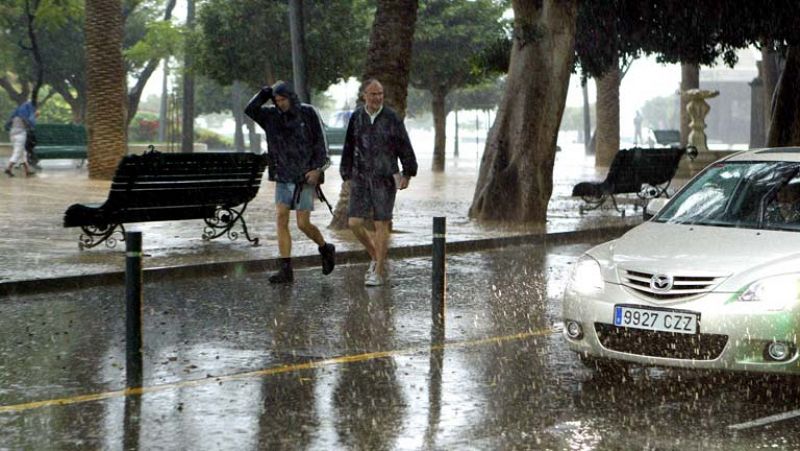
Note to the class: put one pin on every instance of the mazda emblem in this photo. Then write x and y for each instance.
(661, 283)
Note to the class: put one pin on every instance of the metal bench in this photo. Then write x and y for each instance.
(60, 141)
(159, 186)
(671, 138)
(644, 172)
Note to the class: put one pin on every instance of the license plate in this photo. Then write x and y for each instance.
(662, 320)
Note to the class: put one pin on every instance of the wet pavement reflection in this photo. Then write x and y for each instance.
(235, 363)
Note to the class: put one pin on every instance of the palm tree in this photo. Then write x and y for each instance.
(106, 91)
(388, 60)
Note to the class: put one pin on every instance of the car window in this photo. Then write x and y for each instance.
(740, 194)
(339, 119)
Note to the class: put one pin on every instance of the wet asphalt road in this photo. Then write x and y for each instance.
(227, 367)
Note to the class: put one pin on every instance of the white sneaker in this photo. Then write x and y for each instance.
(374, 280)
(371, 270)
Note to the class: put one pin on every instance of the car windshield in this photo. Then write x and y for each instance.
(339, 119)
(758, 195)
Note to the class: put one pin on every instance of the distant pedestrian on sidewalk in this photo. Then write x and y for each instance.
(375, 139)
(19, 125)
(299, 156)
(637, 128)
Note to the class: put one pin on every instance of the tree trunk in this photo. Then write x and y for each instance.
(389, 53)
(607, 133)
(106, 93)
(588, 149)
(163, 106)
(516, 174)
(439, 127)
(690, 79)
(785, 127)
(30, 16)
(389, 61)
(298, 38)
(135, 94)
(187, 129)
(339, 220)
(771, 71)
(237, 106)
(19, 96)
(253, 136)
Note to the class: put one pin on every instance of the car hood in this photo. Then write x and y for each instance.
(700, 251)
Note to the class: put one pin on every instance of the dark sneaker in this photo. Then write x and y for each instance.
(283, 275)
(328, 253)
(9, 173)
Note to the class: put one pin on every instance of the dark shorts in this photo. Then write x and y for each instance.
(372, 198)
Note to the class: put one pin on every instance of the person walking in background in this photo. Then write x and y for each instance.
(375, 139)
(21, 122)
(637, 127)
(296, 145)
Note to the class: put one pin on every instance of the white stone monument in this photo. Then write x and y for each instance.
(697, 108)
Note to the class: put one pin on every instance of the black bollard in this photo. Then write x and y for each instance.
(439, 282)
(133, 309)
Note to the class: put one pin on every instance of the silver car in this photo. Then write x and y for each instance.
(712, 281)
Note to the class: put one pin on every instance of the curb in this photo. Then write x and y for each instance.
(159, 274)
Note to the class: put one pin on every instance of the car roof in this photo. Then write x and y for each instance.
(768, 154)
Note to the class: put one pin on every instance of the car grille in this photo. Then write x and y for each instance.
(682, 286)
(661, 344)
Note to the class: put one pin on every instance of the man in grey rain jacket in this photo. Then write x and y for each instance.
(376, 138)
(299, 156)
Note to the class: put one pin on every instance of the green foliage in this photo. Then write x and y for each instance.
(52, 15)
(485, 96)
(211, 97)
(661, 113)
(55, 111)
(249, 40)
(212, 140)
(160, 40)
(450, 38)
(611, 30)
(6, 106)
(573, 118)
(60, 35)
(144, 128)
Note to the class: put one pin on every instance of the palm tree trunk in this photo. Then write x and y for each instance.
(106, 93)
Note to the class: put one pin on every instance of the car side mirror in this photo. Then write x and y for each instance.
(653, 207)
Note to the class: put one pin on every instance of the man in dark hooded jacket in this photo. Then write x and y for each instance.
(376, 138)
(299, 156)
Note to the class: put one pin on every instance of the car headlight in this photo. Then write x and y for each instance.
(776, 293)
(586, 277)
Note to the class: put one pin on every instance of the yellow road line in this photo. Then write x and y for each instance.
(78, 399)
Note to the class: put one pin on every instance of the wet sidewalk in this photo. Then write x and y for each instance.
(34, 245)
